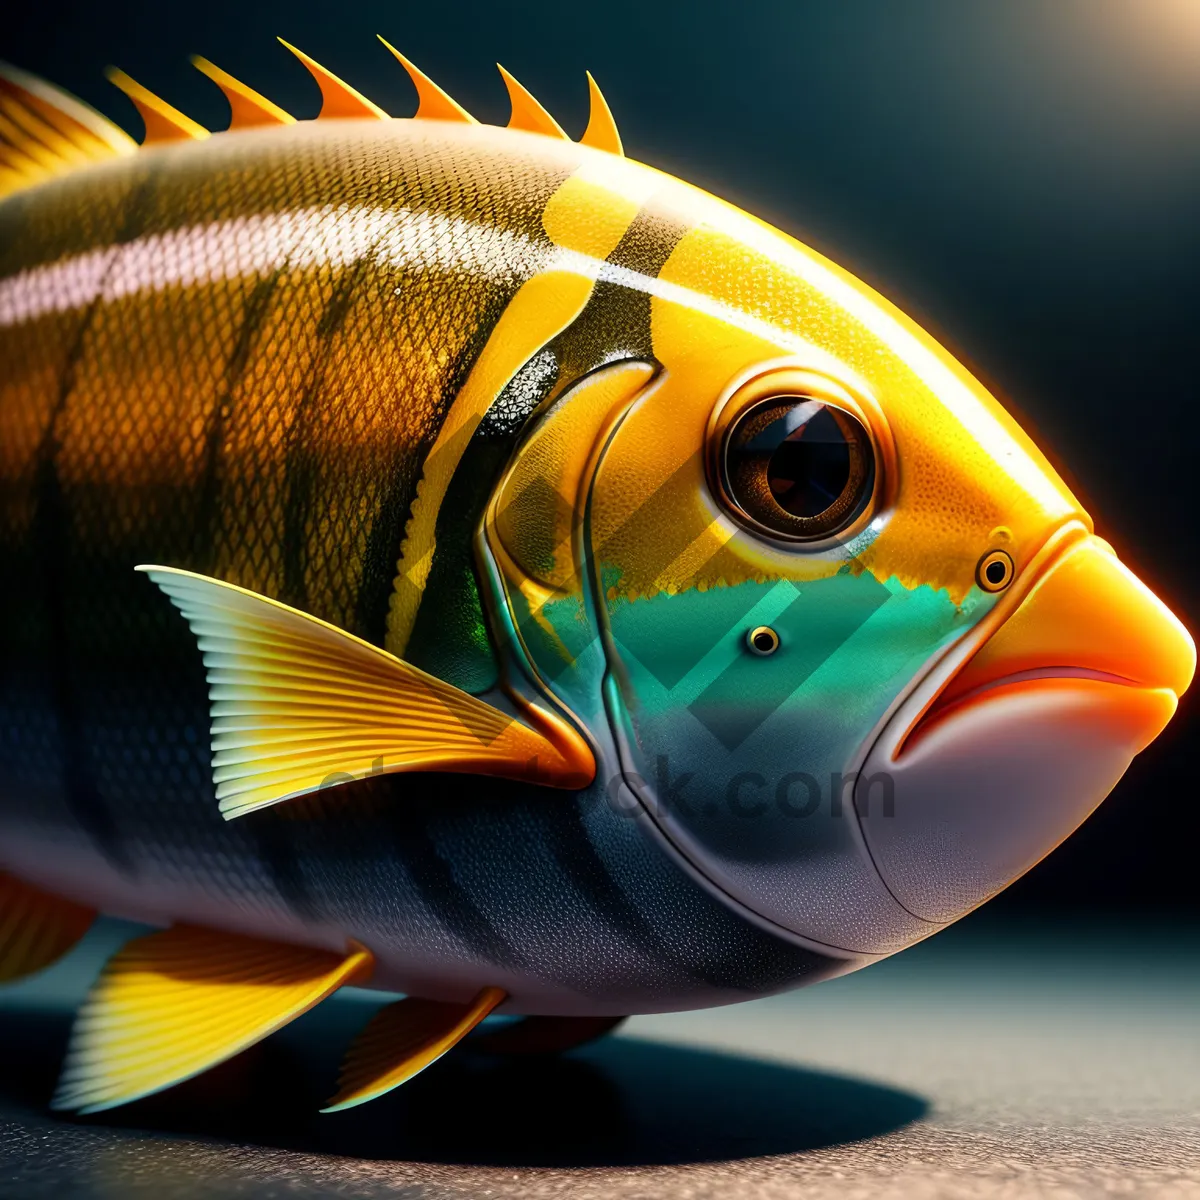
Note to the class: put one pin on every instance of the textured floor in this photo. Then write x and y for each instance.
(992, 1061)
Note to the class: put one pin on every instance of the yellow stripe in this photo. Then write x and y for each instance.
(588, 215)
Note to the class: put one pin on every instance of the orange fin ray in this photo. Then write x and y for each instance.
(433, 104)
(299, 705)
(36, 928)
(601, 132)
(164, 123)
(338, 99)
(247, 107)
(527, 112)
(44, 132)
(403, 1039)
(172, 1004)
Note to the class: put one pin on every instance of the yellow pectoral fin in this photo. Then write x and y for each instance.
(403, 1039)
(298, 705)
(173, 1004)
(36, 928)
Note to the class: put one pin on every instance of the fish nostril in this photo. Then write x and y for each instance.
(995, 571)
(762, 640)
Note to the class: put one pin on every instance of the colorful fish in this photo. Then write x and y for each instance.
(472, 564)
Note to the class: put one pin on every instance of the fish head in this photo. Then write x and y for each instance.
(863, 659)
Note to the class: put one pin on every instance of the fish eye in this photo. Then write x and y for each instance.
(798, 467)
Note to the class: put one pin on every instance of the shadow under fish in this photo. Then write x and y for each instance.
(621, 1102)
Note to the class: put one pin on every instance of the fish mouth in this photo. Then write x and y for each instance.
(1081, 616)
(1015, 737)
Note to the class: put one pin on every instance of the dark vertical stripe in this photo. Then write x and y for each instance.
(583, 867)
(208, 506)
(614, 326)
(451, 636)
(386, 539)
(615, 323)
(450, 904)
(302, 468)
(52, 545)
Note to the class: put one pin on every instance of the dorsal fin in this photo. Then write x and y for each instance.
(32, 149)
(433, 104)
(601, 132)
(21, 165)
(54, 148)
(164, 123)
(247, 107)
(44, 132)
(338, 99)
(527, 113)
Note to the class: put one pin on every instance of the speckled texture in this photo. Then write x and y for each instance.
(991, 1062)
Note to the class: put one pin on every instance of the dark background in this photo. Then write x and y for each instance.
(1023, 177)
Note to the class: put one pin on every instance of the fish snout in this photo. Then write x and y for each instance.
(1026, 738)
(1087, 614)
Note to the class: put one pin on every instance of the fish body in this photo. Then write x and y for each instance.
(355, 273)
(733, 545)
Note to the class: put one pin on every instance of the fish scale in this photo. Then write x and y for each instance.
(395, 529)
(269, 441)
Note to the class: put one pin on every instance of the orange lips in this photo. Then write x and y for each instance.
(1087, 616)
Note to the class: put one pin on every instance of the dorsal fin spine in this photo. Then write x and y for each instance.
(338, 99)
(164, 122)
(527, 112)
(601, 132)
(247, 108)
(432, 102)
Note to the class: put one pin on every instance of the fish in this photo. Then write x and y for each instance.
(469, 563)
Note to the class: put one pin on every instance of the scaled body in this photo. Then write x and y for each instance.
(234, 358)
(323, 443)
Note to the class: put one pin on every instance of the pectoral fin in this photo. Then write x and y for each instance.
(403, 1039)
(298, 704)
(173, 1004)
(35, 928)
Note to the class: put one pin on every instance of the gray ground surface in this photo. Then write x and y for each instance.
(991, 1061)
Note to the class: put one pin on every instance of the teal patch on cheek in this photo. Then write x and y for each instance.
(745, 761)
(564, 647)
(848, 645)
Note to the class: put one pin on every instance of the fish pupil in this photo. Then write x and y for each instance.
(809, 471)
(798, 466)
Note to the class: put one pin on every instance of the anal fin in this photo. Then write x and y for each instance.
(401, 1040)
(172, 1004)
(36, 928)
(546, 1035)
